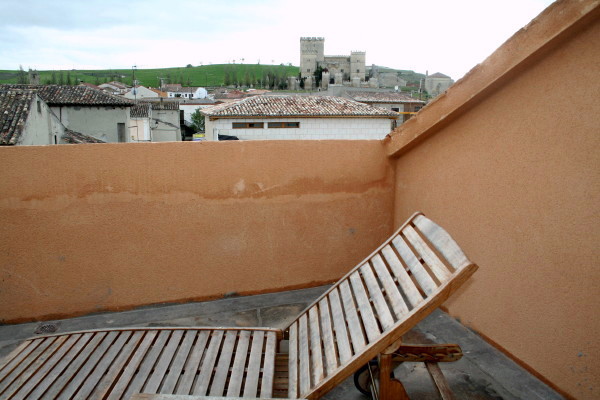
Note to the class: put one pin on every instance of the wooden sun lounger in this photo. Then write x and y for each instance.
(361, 317)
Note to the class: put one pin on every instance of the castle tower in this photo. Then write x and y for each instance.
(312, 54)
(357, 65)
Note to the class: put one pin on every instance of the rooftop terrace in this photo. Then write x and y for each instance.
(504, 160)
(482, 373)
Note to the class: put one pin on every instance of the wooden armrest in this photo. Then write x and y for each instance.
(427, 353)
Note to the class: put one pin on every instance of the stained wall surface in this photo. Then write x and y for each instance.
(110, 226)
(516, 180)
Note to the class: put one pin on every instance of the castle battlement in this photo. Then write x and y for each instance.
(346, 67)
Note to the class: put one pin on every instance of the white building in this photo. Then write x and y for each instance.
(298, 117)
(26, 119)
(141, 92)
(155, 122)
(192, 92)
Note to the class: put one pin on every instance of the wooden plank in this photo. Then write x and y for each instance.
(217, 387)
(316, 353)
(435, 264)
(44, 368)
(254, 361)
(102, 366)
(52, 376)
(395, 298)
(383, 312)
(208, 364)
(22, 379)
(304, 370)
(14, 357)
(166, 356)
(148, 364)
(193, 363)
(406, 284)
(339, 323)
(439, 380)
(293, 361)
(239, 364)
(442, 241)
(76, 373)
(24, 364)
(176, 367)
(364, 305)
(147, 396)
(356, 334)
(331, 361)
(268, 375)
(414, 265)
(108, 379)
(132, 366)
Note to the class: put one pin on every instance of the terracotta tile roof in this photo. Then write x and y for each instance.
(140, 110)
(77, 138)
(117, 84)
(15, 105)
(383, 97)
(296, 106)
(65, 95)
(159, 92)
(164, 105)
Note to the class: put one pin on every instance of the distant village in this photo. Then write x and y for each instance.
(333, 97)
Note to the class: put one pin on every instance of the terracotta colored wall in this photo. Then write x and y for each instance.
(94, 227)
(516, 180)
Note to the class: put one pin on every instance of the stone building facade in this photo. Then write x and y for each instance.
(341, 68)
(437, 83)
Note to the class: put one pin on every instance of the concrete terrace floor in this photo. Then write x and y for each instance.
(482, 373)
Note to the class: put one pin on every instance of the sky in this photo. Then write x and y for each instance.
(421, 35)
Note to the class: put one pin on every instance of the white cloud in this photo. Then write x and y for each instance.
(434, 35)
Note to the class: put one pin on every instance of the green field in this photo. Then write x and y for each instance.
(207, 75)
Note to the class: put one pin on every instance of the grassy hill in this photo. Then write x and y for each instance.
(206, 75)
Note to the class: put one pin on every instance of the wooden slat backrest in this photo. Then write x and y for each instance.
(373, 305)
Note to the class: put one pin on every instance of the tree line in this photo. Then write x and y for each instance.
(272, 78)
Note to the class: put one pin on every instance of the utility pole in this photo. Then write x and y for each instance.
(133, 84)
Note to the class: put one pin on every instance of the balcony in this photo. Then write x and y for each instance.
(506, 160)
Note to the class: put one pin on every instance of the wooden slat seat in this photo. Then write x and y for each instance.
(115, 364)
(362, 316)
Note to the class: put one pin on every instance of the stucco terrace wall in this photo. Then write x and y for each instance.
(512, 170)
(111, 226)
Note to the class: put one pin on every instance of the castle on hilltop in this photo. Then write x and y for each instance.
(339, 68)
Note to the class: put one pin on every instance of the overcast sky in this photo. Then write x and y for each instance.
(435, 35)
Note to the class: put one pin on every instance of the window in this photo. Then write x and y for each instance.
(284, 124)
(397, 109)
(248, 125)
(39, 106)
(358, 71)
(308, 70)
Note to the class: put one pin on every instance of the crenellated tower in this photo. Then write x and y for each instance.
(312, 54)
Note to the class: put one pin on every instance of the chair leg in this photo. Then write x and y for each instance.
(389, 388)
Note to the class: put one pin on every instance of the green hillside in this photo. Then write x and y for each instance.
(206, 75)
